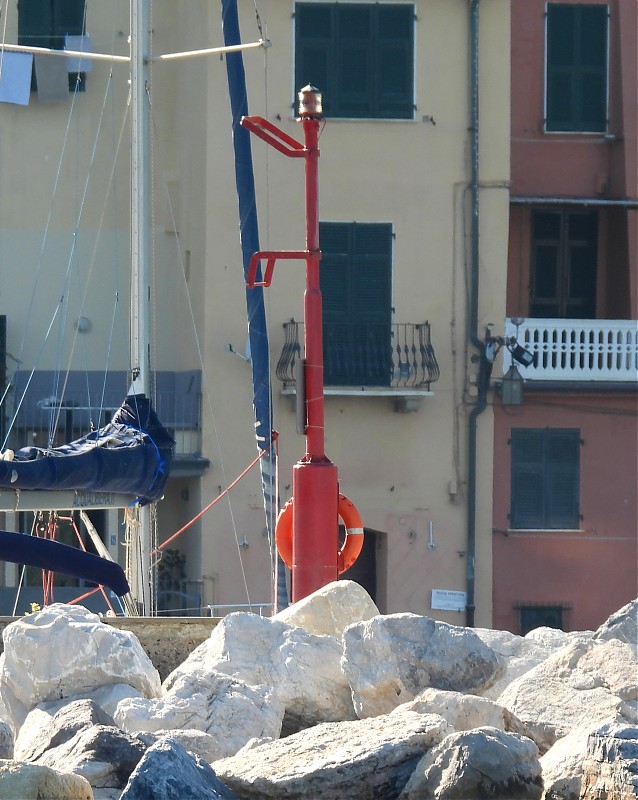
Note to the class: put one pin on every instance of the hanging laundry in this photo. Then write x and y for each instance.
(52, 78)
(15, 77)
(81, 44)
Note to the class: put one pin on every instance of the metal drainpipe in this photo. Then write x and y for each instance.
(484, 366)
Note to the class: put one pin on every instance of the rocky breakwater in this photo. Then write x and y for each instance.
(329, 700)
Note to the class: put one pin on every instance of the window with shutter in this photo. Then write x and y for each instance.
(564, 259)
(545, 491)
(360, 55)
(576, 68)
(46, 23)
(356, 288)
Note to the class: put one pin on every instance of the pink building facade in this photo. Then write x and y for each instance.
(565, 511)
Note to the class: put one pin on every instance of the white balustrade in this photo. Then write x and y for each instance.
(576, 349)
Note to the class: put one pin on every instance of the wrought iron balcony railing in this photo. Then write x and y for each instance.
(576, 349)
(399, 356)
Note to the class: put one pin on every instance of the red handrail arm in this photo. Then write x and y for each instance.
(272, 135)
(271, 257)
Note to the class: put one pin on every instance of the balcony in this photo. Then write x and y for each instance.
(585, 350)
(396, 361)
(42, 419)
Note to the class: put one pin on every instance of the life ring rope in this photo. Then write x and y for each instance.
(353, 542)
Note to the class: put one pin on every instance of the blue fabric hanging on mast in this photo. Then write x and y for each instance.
(249, 238)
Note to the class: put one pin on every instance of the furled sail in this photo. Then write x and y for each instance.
(132, 454)
(249, 239)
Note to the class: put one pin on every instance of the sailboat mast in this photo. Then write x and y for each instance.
(140, 280)
(140, 199)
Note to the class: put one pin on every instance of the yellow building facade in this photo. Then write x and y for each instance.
(414, 152)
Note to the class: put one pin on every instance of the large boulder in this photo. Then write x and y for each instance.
(522, 653)
(6, 740)
(64, 650)
(562, 765)
(32, 782)
(43, 731)
(168, 772)
(103, 754)
(329, 610)
(610, 768)
(105, 699)
(302, 669)
(368, 759)
(476, 764)
(389, 659)
(622, 625)
(228, 709)
(584, 684)
(462, 711)
(197, 743)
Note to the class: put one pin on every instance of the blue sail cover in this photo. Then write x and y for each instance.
(20, 548)
(249, 240)
(131, 455)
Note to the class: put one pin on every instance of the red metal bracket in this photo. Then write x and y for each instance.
(271, 256)
(274, 136)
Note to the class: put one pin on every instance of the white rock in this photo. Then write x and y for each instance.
(329, 611)
(610, 768)
(462, 711)
(562, 693)
(480, 763)
(303, 670)
(389, 659)
(197, 743)
(622, 625)
(522, 653)
(107, 697)
(33, 782)
(228, 709)
(63, 651)
(562, 765)
(103, 754)
(359, 760)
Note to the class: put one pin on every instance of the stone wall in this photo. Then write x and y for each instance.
(168, 641)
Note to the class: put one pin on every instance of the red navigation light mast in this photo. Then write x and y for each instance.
(315, 489)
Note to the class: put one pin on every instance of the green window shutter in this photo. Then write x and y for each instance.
(545, 491)
(354, 52)
(45, 23)
(68, 18)
(360, 55)
(577, 66)
(562, 478)
(356, 284)
(35, 23)
(395, 62)
(314, 57)
(582, 257)
(527, 478)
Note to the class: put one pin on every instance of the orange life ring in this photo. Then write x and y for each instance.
(352, 544)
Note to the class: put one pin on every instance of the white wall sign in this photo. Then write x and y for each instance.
(448, 600)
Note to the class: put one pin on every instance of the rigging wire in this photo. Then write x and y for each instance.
(54, 419)
(214, 502)
(3, 8)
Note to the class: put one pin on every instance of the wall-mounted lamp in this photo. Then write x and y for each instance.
(512, 387)
(523, 356)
